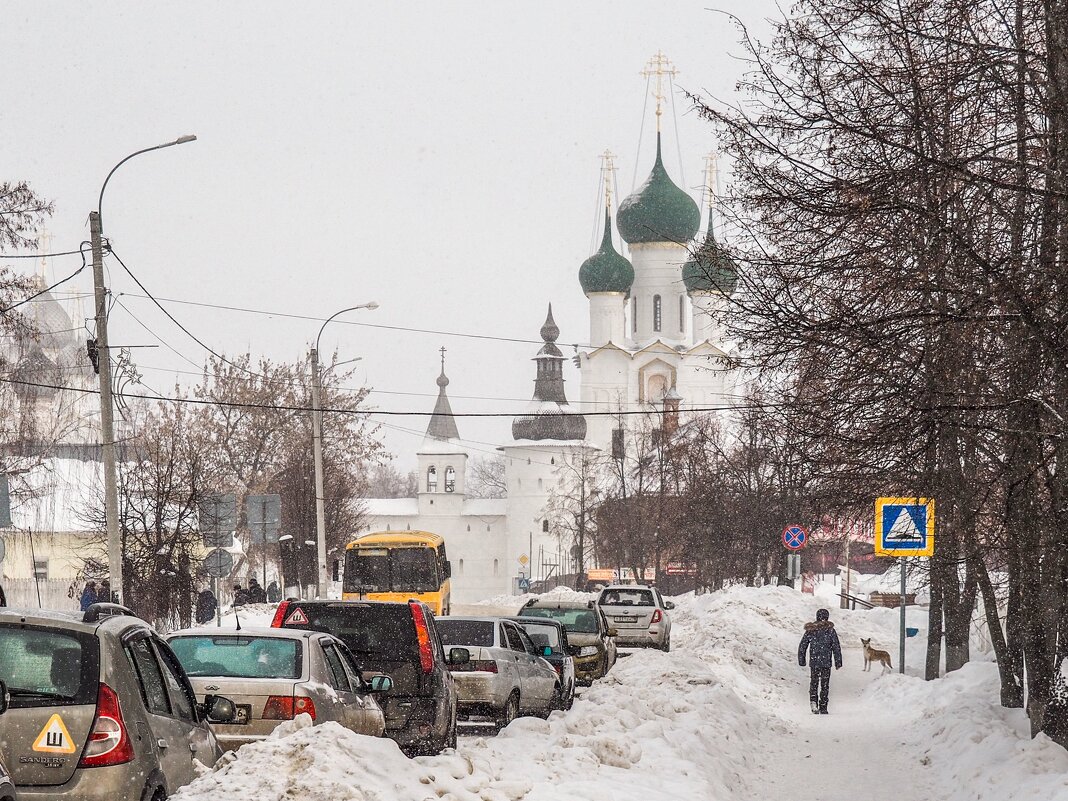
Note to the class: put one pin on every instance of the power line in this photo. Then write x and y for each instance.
(49, 288)
(39, 255)
(350, 322)
(174, 320)
(365, 412)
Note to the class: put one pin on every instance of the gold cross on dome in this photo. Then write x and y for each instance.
(659, 66)
(442, 358)
(608, 171)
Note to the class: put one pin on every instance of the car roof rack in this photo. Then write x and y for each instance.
(97, 611)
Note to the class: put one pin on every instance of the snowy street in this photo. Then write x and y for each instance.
(724, 716)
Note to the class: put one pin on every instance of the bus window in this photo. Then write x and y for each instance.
(367, 569)
(414, 570)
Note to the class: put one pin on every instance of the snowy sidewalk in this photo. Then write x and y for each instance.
(861, 746)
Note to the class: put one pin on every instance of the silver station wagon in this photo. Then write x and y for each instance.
(273, 675)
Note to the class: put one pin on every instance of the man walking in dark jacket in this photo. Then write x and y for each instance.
(821, 642)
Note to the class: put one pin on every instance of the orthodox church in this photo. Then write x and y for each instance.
(655, 346)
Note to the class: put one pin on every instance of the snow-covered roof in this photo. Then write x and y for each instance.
(433, 445)
(391, 507)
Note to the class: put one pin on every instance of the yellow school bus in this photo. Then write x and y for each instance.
(398, 566)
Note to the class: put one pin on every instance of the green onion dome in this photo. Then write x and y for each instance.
(606, 270)
(659, 211)
(711, 269)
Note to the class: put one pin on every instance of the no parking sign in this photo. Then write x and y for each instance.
(794, 537)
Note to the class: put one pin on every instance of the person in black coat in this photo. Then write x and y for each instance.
(206, 606)
(821, 643)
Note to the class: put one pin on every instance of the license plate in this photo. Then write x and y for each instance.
(243, 714)
(625, 619)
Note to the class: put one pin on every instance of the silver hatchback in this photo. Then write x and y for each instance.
(100, 708)
(639, 614)
(505, 676)
(274, 675)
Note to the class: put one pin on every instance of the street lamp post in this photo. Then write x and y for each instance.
(107, 410)
(317, 448)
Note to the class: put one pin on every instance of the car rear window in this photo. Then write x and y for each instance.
(240, 657)
(581, 621)
(543, 635)
(382, 631)
(476, 633)
(48, 667)
(627, 598)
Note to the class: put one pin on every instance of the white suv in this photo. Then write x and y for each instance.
(640, 615)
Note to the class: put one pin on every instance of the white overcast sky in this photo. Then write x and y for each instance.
(438, 158)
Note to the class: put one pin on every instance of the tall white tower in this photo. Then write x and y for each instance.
(442, 459)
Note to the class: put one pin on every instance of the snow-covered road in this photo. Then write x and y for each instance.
(724, 717)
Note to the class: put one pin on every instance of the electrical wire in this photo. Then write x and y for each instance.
(367, 412)
(266, 313)
(49, 288)
(39, 255)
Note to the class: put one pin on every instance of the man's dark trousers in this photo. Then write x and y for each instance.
(821, 682)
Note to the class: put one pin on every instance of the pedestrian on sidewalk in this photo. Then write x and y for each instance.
(821, 643)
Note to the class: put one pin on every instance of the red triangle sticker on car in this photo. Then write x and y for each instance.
(297, 618)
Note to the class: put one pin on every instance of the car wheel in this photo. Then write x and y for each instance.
(510, 711)
(666, 646)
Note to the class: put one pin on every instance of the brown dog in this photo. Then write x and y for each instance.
(875, 655)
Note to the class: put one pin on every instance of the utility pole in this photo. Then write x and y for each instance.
(107, 410)
(317, 450)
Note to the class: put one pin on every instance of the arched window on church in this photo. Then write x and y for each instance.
(450, 479)
(461, 567)
(634, 315)
(432, 479)
(682, 314)
(656, 312)
(495, 567)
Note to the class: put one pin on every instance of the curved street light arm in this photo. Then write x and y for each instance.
(181, 140)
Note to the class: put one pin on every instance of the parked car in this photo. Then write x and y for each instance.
(275, 674)
(506, 675)
(639, 613)
(551, 635)
(588, 634)
(399, 640)
(100, 708)
(7, 788)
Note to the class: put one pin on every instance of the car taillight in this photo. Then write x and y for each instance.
(476, 665)
(657, 616)
(422, 634)
(109, 741)
(286, 707)
(279, 615)
(558, 667)
(303, 705)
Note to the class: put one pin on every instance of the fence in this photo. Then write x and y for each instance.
(54, 594)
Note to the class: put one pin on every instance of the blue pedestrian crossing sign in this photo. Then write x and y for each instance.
(904, 526)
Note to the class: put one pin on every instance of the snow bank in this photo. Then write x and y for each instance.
(979, 749)
(724, 717)
(514, 602)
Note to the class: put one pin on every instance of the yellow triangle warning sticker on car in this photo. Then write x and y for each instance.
(298, 618)
(54, 738)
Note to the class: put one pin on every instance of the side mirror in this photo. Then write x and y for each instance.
(218, 709)
(669, 605)
(5, 698)
(380, 684)
(613, 633)
(459, 656)
(547, 650)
